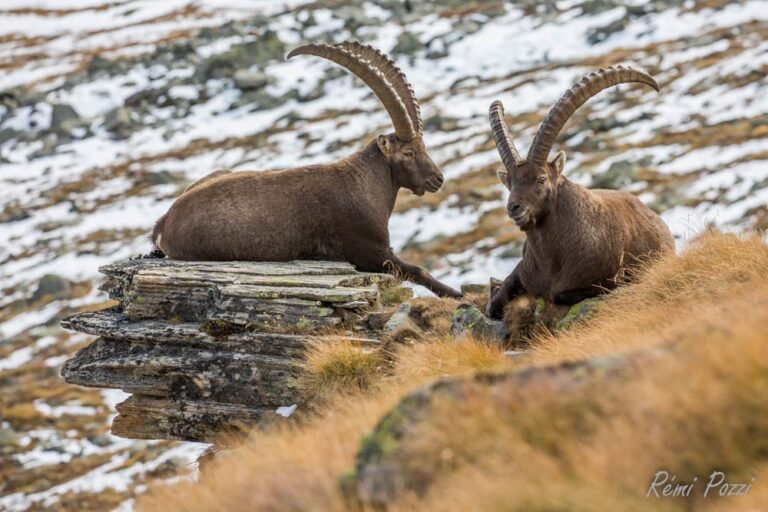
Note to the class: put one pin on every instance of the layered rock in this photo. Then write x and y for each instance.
(207, 348)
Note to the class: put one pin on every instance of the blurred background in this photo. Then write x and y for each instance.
(108, 109)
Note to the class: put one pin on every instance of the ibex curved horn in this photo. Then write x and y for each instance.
(507, 150)
(575, 97)
(372, 78)
(393, 74)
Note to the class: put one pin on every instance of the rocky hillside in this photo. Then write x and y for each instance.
(108, 109)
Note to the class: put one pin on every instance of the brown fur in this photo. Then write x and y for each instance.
(579, 241)
(336, 211)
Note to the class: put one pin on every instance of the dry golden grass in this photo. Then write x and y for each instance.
(340, 366)
(715, 268)
(701, 405)
(442, 356)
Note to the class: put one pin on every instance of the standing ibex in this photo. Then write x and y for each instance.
(337, 211)
(577, 240)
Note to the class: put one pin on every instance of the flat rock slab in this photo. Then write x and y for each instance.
(213, 347)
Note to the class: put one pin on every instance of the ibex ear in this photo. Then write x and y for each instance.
(558, 163)
(385, 145)
(502, 175)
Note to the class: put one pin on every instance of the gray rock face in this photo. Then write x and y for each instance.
(213, 347)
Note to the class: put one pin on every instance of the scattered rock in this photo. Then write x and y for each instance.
(98, 65)
(259, 100)
(441, 123)
(407, 44)
(400, 326)
(247, 80)
(469, 320)
(8, 437)
(354, 17)
(620, 174)
(65, 119)
(160, 178)
(266, 48)
(119, 122)
(7, 134)
(52, 285)
(50, 143)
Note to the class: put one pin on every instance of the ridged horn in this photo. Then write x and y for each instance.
(504, 144)
(393, 74)
(575, 97)
(372, 78)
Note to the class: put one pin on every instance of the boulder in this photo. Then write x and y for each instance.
(207, 348)
(469, 320)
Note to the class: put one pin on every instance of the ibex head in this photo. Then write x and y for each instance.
(533, 181)
(411, 165)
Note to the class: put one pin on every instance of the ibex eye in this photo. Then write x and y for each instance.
(541, 180)
(409, 154)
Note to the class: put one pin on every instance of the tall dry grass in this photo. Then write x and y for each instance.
(703, 405)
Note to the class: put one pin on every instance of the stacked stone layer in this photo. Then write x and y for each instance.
(213, 347)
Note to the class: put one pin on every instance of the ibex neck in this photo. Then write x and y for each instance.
(560, 216)
(372, 172)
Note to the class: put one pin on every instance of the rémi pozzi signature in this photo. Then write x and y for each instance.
(664, 485)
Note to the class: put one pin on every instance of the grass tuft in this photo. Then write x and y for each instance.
(339, 366)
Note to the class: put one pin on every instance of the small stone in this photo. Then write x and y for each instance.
(441, 123)
(7, 134)
(620, 174)
(99, 64)
(54, 286)
(8, 437)
(400, 326)
(119, 122)
(407, 44)
(469, 320)
(64, 119)
(250, 80)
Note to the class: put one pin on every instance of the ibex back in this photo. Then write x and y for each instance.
(578, 241)
(337, 211)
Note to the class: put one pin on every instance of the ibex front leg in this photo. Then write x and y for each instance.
(418, 275)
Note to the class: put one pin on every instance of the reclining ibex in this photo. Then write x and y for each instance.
(577, 240)
(337, 211)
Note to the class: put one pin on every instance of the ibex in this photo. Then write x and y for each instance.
(337, 211)
(577, 240)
